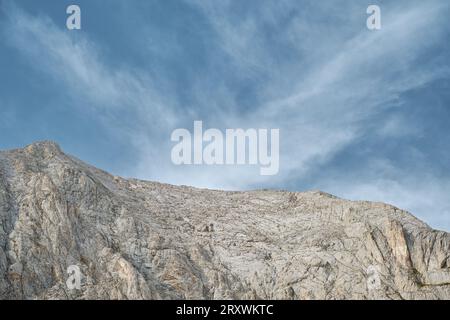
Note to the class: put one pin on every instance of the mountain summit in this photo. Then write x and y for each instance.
(134, 239)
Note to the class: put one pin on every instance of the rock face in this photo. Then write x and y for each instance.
(143, 240)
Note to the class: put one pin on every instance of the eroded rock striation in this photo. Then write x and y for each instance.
(135, 239)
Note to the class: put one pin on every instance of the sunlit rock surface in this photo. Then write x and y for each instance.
(144, 240)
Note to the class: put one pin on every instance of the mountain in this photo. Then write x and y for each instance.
(135, 239)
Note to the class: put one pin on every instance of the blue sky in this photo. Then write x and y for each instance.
(362, 114)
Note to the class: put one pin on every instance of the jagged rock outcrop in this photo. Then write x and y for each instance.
(134, 239)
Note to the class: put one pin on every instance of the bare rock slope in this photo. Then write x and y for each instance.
(144, 240)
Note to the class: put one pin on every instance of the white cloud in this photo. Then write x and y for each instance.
(123, 99)
(324, 107)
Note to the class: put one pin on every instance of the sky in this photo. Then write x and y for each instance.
(363, 114)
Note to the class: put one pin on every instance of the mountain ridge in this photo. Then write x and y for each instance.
(135, 239)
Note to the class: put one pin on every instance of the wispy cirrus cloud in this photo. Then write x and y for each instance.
(335, 86)
(124, 100)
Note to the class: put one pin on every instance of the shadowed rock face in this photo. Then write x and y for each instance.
(144, 240)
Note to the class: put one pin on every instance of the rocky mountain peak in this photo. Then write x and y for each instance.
(133, 239)
(43, 146)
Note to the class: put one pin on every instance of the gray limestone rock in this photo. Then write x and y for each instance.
(135, 239)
